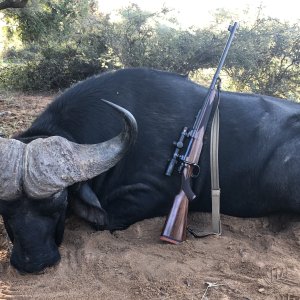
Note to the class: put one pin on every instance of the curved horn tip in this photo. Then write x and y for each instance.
(130, 121)
(117, 107)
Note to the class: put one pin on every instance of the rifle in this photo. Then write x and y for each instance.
(174, 230)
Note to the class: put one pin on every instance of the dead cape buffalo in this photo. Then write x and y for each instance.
(71, 157)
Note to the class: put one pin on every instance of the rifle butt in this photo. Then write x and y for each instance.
(174, 230)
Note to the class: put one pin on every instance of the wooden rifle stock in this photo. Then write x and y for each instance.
(174, 230)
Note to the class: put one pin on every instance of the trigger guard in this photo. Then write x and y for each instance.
(197, 168)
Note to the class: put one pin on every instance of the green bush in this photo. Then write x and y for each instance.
(61, 42)
(52, 68)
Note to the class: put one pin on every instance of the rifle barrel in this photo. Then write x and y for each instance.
(232, 29)
(203, 111)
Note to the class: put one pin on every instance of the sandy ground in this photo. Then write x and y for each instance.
(253, 259)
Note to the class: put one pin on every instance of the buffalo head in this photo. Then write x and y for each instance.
(33, 188)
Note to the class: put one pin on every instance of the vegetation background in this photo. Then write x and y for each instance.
(49, 45)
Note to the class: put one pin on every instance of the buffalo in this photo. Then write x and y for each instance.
(74, 158)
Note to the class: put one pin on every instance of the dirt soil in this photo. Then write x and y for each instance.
(253, 259)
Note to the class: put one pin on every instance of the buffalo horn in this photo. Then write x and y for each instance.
(54, 163)
(11, 161)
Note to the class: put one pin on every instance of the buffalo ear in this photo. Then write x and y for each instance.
(86, 205)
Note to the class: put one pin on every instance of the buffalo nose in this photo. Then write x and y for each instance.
(27, 264)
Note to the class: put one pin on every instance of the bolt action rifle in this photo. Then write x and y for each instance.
(174, 230)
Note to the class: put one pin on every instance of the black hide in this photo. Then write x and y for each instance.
(259, 147)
